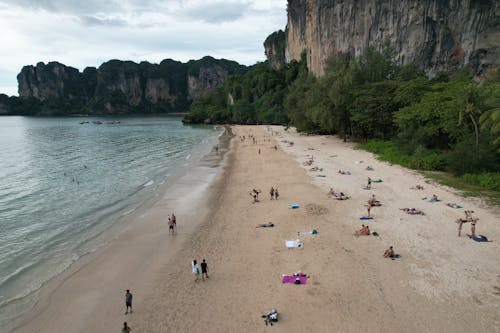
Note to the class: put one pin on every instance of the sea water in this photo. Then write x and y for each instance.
(65, 181)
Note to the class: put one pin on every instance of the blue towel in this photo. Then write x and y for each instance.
(366, 218)
(294, 206)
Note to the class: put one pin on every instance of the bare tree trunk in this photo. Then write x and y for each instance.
(476, 130)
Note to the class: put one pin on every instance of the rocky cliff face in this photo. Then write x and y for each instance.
(436, 35)
(44, 82)
(124, 86)
(274, 48)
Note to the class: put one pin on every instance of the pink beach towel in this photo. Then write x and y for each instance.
(291, 279)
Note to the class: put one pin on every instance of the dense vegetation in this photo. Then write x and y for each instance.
(444, 123)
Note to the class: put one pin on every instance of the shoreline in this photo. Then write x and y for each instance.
(125, 226)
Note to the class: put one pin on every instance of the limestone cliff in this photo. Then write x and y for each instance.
(437, 35)
(274, 48)
(44, 82)
(124, 86)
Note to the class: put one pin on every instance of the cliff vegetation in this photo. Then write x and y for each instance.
(445, 123)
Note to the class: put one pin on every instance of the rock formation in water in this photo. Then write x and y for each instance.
(438, 36)
(122, 86)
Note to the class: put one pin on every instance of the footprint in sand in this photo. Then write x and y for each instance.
(314, 209)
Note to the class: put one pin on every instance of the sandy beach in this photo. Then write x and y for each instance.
(441, 283)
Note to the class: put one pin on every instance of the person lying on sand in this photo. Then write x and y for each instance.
(339, 196)
(364, 231)
(412, 211)
(342, 172)
(316, 169)
(389, 253)
(369, 168)
(453, 205)
(331, 193)
(417, 187)
(267, 225)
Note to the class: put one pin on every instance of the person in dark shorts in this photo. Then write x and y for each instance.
(126, 328)
(128, 301)
(204, 270)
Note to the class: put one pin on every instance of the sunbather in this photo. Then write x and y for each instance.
(389, 253)
(434, 198)
(412, 211)
(364, 231)
(266, 225)
(369, 168)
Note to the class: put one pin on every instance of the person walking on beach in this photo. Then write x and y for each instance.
(271, 192)
(204, 270)
(369, 185)
(171, 226)
(368, 208)
(128, 301)
(276, 193)
(473, 228)
(196, 270)
(126, 328)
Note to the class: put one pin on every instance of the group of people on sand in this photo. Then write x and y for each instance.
(468, 218)
(337, 195)
(197, 271)
(274, 193)
(364, 231)
(255, 195)
(412, 211)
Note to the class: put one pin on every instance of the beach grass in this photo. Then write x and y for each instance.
(468, 189)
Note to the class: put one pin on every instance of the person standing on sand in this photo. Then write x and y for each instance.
(170, 226)
(369, 185)
(196, 270)
(368, 208)
(126, 328)
(276, 193)
(271, 192)
(128, 301)
(204, 270)
(460, 222)
(473, 228)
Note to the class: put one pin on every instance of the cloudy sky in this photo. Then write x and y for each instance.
(83, 33)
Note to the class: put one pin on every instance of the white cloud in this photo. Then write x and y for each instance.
(87, 33)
